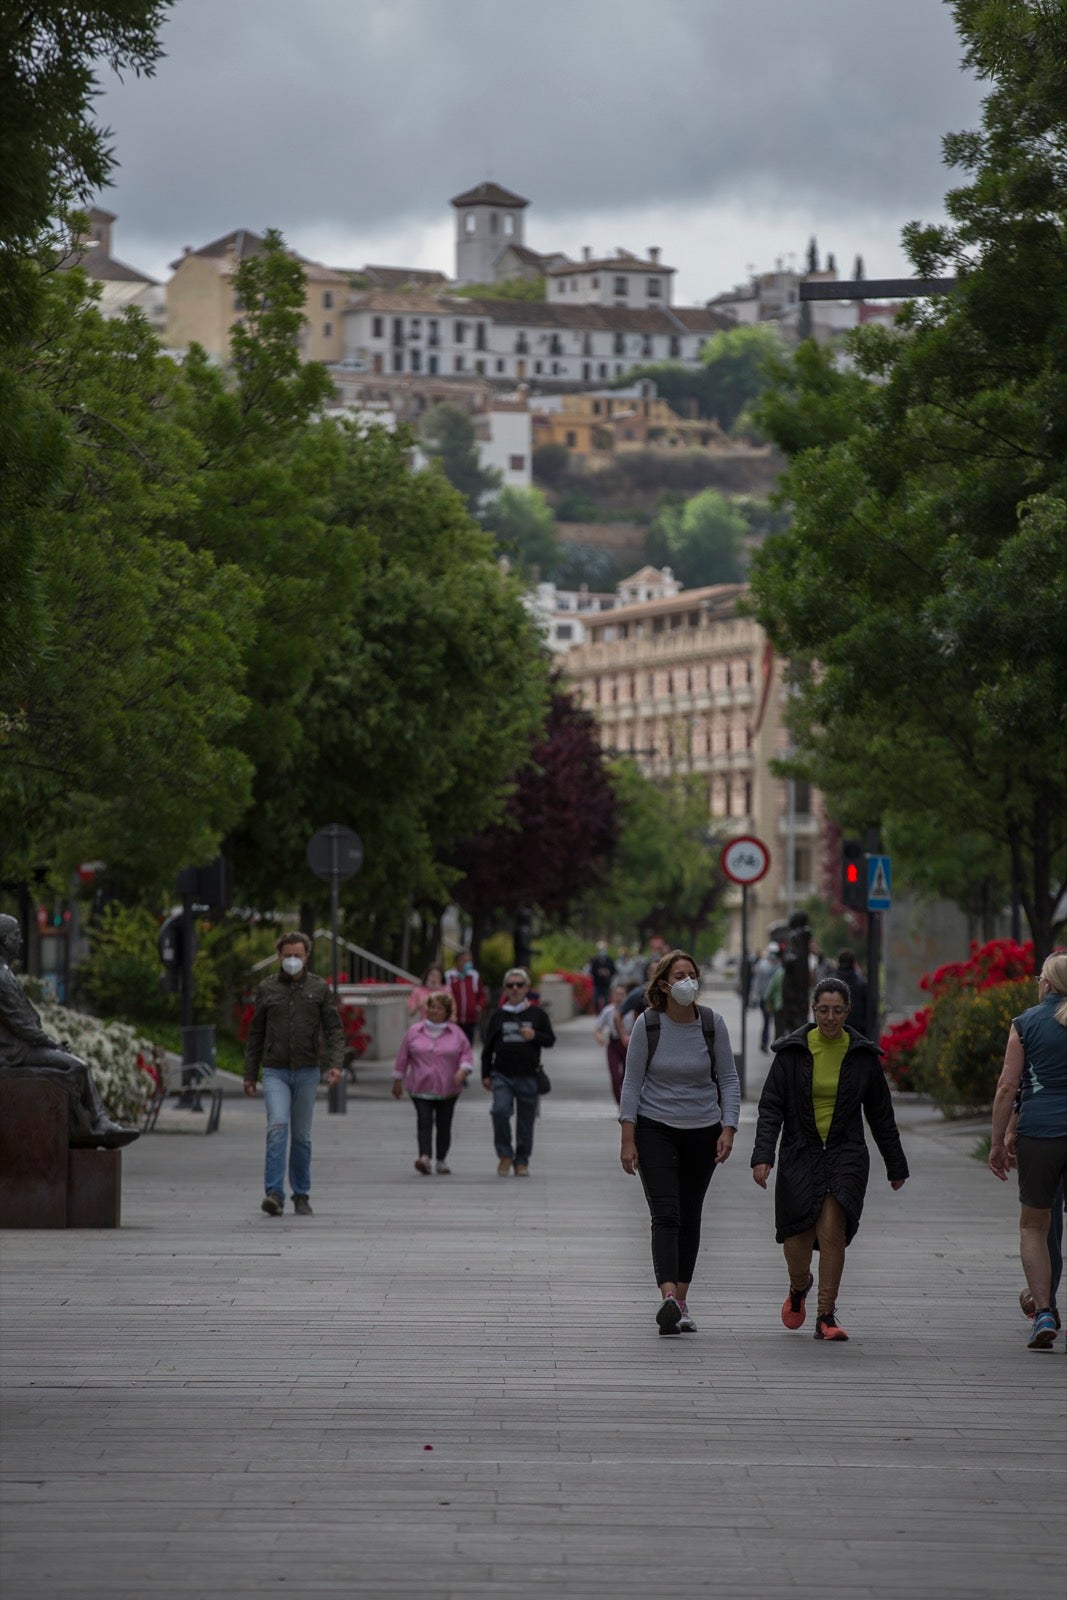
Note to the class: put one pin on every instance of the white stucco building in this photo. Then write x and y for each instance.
(619, 280)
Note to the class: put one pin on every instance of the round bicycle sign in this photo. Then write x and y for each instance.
(745, 859)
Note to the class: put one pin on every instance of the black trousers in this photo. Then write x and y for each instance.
(675, 1166)
(431, 1113)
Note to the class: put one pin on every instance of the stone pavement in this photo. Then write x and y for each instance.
(453, 1387)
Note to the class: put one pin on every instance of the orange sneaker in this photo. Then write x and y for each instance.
(827, 1328)
(794, 1311)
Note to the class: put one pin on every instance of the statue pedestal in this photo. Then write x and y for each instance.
(43, 1183)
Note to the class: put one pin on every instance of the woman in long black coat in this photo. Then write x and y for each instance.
(823, 1081)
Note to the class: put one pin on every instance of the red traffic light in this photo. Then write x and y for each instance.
(852, 873)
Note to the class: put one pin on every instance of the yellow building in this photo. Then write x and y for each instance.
(683, 684)
(202, 304)
(596, 423)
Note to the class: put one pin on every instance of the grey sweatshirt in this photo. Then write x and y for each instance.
(678, 1088)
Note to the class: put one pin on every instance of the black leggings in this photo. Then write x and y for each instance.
(428, 1112)
(675, 1165)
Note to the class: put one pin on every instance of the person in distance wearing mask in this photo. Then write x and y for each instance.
(295, 1010)
(681, 1100)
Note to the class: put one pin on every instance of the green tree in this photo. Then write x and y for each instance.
(812, 259)
(447, 437)
(703, 538)
(522, 523)
(528, 289)
(580, 563)
(925, 572)
(734, 371)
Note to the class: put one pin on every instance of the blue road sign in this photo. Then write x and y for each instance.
(879, 883)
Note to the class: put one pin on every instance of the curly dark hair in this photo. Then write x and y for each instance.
(836, 986)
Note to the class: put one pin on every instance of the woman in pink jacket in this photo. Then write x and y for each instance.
(433, 1063)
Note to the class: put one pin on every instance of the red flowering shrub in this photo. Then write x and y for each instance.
(900, 1046)
(581, 988)
(999, 961)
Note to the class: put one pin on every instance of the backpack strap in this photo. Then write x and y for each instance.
(707, 1023)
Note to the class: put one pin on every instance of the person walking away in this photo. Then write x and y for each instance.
(433, 1064)
(431, 982)
(511, 1059)
(295, 1012)
(856, 984)
(467, 991)
(765, 968)
(823, 1081)
(601, 970)
(1036, 1059)
(1027, 1304)
(796, 983)
(773, 1015)
(679, 1110)
(609, 1032)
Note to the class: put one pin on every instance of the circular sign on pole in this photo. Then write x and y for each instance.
(335, 852)
(745, 860)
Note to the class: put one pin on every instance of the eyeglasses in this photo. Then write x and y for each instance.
(831, 1011)
(514, 986)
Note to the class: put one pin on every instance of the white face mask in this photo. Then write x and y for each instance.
(293, 966)
(435, 1028)
(685, 991)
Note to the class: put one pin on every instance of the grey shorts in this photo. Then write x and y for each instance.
(1042, 1167)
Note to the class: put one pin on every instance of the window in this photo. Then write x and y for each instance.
(416, 361)
(431, 364)
(565, 630)
(398, 360)
(398, 330)
(479, 367)
(517, 463)
(509, 225)
(555, 348)
(676, 345)
(619, 344)
(602, 370)
(378, 328)
(494, 222)
(802, 798)
(479, 336)
(327, 299)
(432, 335)
(574, 283)
(500, 367)
(618, 369)
(655, 289)
(469, 222)
(802, 864)
(458, 364)
(556, 369)
(539, 366)
(587, 344)
(596, 283)
(572, 440)
(327, 330)
(459, 332)
(587, 370)
(561, 286)
(646, 346)
(415, 327)
(622, 285)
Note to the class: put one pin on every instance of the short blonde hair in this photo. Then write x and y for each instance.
(445, 999)
(1054, 973)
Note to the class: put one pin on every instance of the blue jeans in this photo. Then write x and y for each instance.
(521, 1095)
(289, 1095)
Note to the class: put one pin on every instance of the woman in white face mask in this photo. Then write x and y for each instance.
(681, 1100)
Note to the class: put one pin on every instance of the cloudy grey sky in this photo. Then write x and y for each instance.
(724, 131)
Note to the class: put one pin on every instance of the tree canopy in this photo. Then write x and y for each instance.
(522, 523)
(925, 577)
(447, 437)
(702, 539)
(733, 373)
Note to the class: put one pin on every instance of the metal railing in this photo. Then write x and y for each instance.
(361, 964)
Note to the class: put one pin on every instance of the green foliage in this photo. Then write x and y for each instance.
(122, 976)
(702, 539)
(550, 463)
(522, 523)
(447, 437)
(528, 289)
(733, 373)
(962, 1052)
(579, 563)
(925, 571)
(496, 953)
(559, 950)
(578, 505)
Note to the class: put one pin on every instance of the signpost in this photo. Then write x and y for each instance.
(879, 880)
(744, 860)
(335, 853)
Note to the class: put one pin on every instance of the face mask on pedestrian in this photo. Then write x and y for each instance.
(468, 970)
(293, 965)
(685, 991)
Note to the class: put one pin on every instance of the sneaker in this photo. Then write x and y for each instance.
(273, 1203)
(302, 1205)
(1043, 1335)
(794, 1311)
(443, 1169)
(669, 1315)
(521, 1170)
(827, 1328)
(686, 1325)
(423, 1165)
(503, 1167)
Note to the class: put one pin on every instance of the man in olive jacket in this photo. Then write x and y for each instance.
(294, 1010)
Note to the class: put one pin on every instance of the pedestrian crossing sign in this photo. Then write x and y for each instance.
(879, 879)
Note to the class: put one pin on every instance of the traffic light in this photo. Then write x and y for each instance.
(853, 875)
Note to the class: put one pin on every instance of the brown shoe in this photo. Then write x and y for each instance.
(521, 1170)
(503, 1167)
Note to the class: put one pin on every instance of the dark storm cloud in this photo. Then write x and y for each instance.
(360, 113)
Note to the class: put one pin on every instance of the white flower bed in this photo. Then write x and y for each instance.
(111, 1050)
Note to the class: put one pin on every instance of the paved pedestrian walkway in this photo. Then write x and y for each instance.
(453, 1387)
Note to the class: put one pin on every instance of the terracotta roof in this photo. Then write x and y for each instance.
(489, 194)
(104, 268)
(242, 242)
(395, 277)
(540, 314)
(418, 301)
(623, 263)
(533, 258)
(699, 319)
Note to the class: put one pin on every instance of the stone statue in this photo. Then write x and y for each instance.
(796, 976)
(26, 1051)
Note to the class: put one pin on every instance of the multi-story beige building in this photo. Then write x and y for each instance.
(684, 684)
(203, 305)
